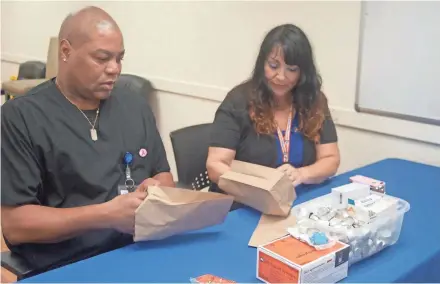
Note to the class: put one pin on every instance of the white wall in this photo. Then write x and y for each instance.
(193, 52)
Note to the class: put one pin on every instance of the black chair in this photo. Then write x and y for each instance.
(28, 70)
(18, 265)
(32, 70)
(190, 147)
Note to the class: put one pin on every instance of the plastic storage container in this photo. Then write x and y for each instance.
(364, 239)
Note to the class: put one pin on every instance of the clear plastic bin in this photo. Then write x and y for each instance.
(365, 240)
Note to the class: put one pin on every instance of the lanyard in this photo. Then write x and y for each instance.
(129, 182)
(285, 141)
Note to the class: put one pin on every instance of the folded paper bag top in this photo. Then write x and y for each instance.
(270, 228)
(168, 211)
(265, 189)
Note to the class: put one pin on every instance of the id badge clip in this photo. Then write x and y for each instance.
(129, 185)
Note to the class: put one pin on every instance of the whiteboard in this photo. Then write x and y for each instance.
(399, 60)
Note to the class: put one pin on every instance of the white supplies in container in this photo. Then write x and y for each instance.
(368, 227)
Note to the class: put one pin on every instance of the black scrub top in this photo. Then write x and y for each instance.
(233, 129)
(48, 158)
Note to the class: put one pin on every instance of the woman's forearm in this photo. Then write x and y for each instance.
(218, 162)
(216, 170)
(320, 170)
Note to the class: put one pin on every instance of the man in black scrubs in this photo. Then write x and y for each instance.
(70, 147)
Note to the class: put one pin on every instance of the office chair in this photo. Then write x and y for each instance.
(135, 84)
(190, 147)
(37, 75)
(31, 70)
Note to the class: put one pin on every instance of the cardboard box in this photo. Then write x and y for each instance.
(288, 260)
(375, 185)
(369, 212)
(341, 194)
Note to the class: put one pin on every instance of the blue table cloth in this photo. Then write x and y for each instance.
(223, 251)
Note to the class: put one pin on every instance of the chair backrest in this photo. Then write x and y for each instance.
(32, 70)
(136, 84)
(190, 147)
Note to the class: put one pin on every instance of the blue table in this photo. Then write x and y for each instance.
(222, 250)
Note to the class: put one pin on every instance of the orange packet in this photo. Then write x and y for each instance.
(209, 278)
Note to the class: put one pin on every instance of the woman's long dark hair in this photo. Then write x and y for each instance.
(310, 103)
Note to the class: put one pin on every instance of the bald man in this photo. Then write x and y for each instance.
(78, 152)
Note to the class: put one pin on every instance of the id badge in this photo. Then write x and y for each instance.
(124, 189)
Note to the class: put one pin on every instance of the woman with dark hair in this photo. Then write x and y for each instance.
(278, 118)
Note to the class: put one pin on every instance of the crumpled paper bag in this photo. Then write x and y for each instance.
(262, 188)
(168, 211)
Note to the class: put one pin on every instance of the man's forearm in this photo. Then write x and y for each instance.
(165, 179)
(39, 224)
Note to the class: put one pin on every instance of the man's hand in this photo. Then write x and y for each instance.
(120, 211)
(294, 174)
(146, 183)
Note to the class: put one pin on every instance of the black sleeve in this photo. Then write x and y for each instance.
(156, 147)
(226, 129)
(328, 130)
(21, 171)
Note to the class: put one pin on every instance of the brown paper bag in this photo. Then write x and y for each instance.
(270, 228)
(169, 211)
(262, 188)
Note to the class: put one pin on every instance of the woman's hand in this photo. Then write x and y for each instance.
(294, 174)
